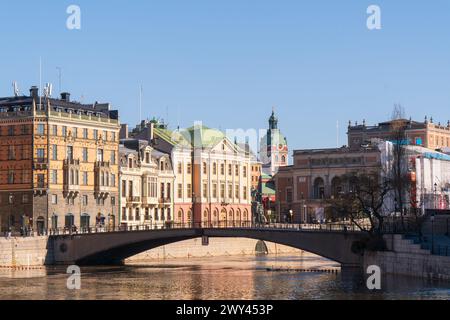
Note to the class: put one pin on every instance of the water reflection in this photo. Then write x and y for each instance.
(214, 278)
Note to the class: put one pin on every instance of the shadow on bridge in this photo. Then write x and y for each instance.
(105, 248)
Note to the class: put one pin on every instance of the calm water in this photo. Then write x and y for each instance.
(214, 278)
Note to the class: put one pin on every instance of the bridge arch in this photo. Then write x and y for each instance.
(114, 247)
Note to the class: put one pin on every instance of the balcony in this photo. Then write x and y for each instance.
(71, 162)
(102, 172)
(40, 164)
(165, 201)
(133, 200)
(149, 200)
(102, 164)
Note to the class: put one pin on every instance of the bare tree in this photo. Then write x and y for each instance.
(397, 172)
(362, 200)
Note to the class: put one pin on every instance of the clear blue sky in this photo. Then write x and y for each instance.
(227, 62)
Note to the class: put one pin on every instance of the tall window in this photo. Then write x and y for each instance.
(189, 168)
(214, 168)
(189, 190)
(230, 170)
(205, 190)
(55, 130)
(205, 168)
(40, 129)
(168, 191)
(214, 190)
(85, 133)
(54, 176)
(245, 172)
(222, 169)
(95, 134)
(64, 131)
(69, 153)
(40, 180)
(85, 154)
(245, 193)
(11, 153)
(85, 178)
(163, 193)
(236, 171)
(180, 191)
(112, 157)
(236, 191)
(40, 155)
(100, 155)
(180, 168)
(222, 190)
(130, 189)
(124, 188)
(54, 152)
(11, 177)
(230, 191)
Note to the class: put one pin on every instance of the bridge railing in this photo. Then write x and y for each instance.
(207, 225)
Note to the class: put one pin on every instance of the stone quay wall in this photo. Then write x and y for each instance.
(18, 252)
(408, 259)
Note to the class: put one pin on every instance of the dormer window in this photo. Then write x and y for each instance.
(130, 163)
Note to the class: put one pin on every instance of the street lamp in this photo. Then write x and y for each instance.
(435, 196)
(432, 234)
(291, 213)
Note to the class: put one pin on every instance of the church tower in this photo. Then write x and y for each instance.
(274, 151)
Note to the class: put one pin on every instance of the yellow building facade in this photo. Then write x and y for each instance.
(64, 170)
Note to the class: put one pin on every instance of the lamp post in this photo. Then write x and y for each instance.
(435, 196)
(291, 213)
(432, 234)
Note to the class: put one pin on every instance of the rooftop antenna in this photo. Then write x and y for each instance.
(40, 82)
(48, 90)
(16, 89)
(59, 77)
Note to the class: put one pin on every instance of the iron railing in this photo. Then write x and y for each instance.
(207, 225)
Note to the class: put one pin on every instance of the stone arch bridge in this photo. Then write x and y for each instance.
(107, 248)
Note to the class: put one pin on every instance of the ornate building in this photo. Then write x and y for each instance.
(147, 179)
(426, 134)
(274, 151)
(58, 163)
(212, 174)
(274, 154)
(304, 187)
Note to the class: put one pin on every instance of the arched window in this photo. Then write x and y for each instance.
(336, 187)
(319, 188)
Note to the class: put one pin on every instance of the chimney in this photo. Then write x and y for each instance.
(150, 131)
(34, 92)
(123, 134)
(65, 96)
